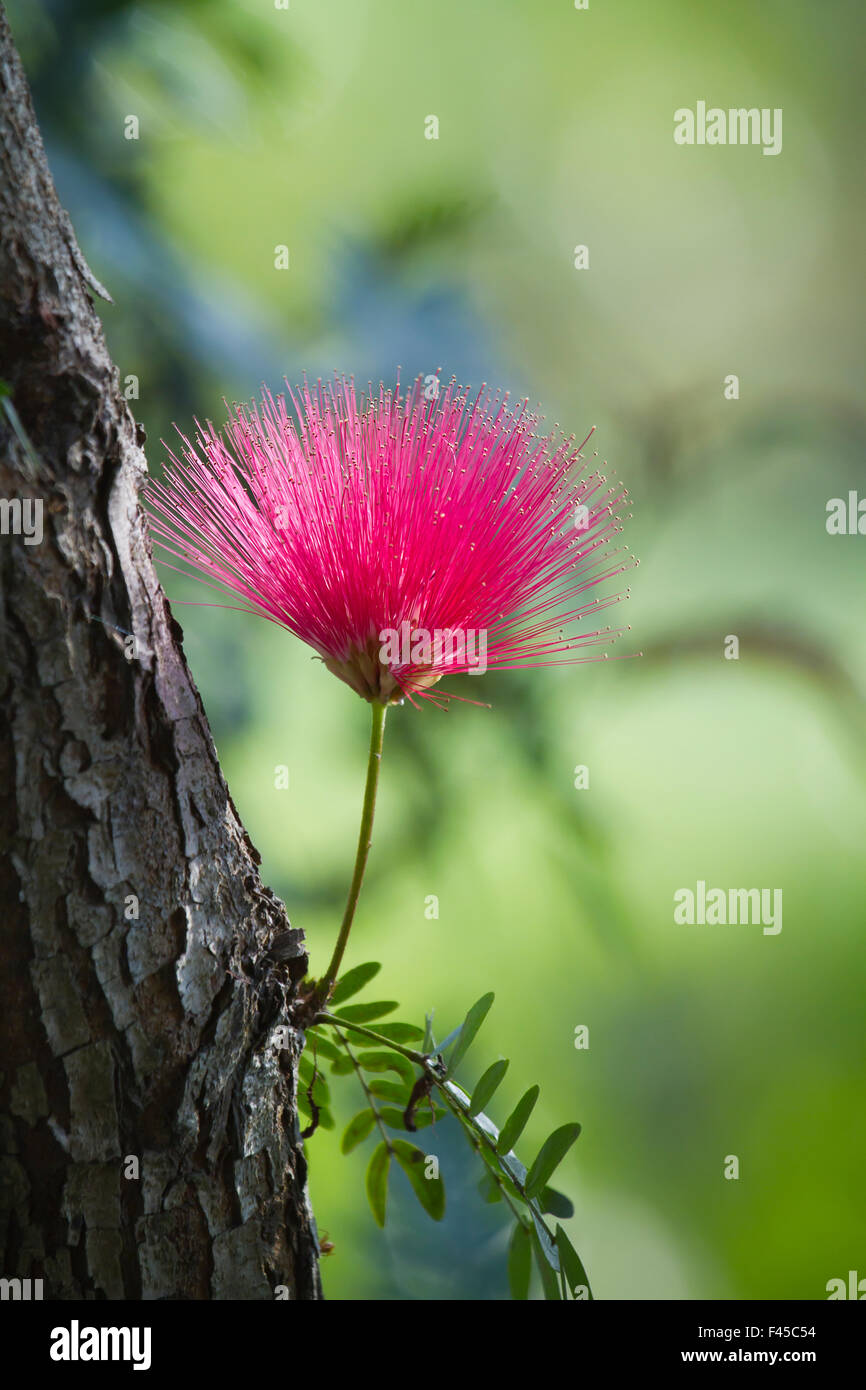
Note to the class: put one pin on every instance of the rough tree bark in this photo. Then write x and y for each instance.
(121, 1037)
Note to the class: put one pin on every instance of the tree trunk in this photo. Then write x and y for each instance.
(150, 1145)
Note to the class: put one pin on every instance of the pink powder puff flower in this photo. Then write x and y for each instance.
(404, 538)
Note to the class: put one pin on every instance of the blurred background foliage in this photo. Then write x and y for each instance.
(305, 127)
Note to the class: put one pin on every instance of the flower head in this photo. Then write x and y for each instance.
(403, 537)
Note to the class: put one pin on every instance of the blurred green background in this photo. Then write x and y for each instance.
(305, 127)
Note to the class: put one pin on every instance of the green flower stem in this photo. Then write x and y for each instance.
(377, 734)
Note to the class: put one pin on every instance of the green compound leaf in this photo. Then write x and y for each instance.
(356, 1130)
(487, 1085)
(388, 1061)
(519, 1262)
(429, 1191)
(377, 1181)
(572, 1267)
(561, 1270)
(401, 1032)
(551, 1154)
(354, 980)
(555, 1203)
(516, 1122)
(367, 1013)
(471, 1024)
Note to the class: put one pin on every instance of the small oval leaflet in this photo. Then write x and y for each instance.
(551, 1154)
(354, 980)
(322, 1045)
(516, 1122)
(555, 1203)
(429, 1191)
(549, 1279)
(367, 1013)
(389, 1090)
(471, 1024)
(395, 1119)
(377, 1181)
(519, 1262)
(571, 1264)
(401, 1032)
(388, 1061)
(357, 1130)
(487, 1085)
